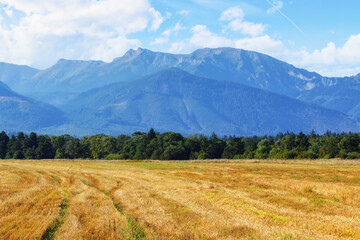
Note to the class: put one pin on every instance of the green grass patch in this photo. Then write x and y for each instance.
(273, 216)
(318, 201)
(90, 184)
(257, 188)
(134, 229)
(56, 179)
(119, 208)
(59, 221)
(136, 232)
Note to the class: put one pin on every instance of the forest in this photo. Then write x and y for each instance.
(174, 146)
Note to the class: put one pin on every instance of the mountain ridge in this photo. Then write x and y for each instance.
(71, 79)
(174, 100)
(21, 113)
(237, 65)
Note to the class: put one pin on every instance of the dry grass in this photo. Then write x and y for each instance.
(180, 200)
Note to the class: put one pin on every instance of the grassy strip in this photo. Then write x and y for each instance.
(56, 179)
(135, 231)
(55, 226)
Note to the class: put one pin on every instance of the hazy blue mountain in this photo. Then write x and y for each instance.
(59, 83)
(342, 94)
(67, 78)
(19, 113)
(252, 69)
(174, 100)
(16, 75)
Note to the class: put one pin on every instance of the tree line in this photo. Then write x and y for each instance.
(174, 146)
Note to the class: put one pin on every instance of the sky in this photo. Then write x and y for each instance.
(318, 35)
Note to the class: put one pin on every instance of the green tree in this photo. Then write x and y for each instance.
(60, 154)
(350, 143)
(4, 140)
(263, 149)
(45, 149)
(234, 146)
(302, 142)
(73, 149)
(174, 152)
(18, 155)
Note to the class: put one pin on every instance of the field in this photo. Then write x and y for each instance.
(179, 200)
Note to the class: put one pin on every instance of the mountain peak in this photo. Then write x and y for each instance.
(132, 52)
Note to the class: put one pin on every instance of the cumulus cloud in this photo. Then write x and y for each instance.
(232, 13)
(203, 37)
(162, 40)
(330, 60)
(165, 38)
(247, 28)
(263, 44)
(235, 17)
(91, 29)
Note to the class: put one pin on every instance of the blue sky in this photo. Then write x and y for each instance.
(318, 35)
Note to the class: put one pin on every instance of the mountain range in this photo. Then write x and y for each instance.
(225, 90)
(25, 114)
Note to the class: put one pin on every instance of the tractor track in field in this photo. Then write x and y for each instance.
(134, 229)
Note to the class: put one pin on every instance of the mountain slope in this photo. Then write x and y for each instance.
(174, 100)
(15, 75)
(252, 69)
(20, 113)
(67, 78)
(59, 83)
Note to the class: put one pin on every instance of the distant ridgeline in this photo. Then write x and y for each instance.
(224, 90)
(174, 146)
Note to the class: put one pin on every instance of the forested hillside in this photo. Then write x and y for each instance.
(174, 146)
(18, 112)
(175, 100)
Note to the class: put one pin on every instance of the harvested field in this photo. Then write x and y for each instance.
(179, 200)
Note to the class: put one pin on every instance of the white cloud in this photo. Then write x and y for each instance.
(264, 44)
(247, 28)
(232, 13)
(160, 41)
(235, 16)
(330, 60)
(166, 35)
(55, 29)
(202, 37)
(157, 19)
(9, 12)
(183, 12)
(276, 6)
(178, 27)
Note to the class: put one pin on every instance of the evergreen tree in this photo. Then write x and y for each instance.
(234, 146)
(4, 140)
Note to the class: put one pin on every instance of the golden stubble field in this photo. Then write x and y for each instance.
(179, 200)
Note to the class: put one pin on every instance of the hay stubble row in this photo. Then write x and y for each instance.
(178, 200)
